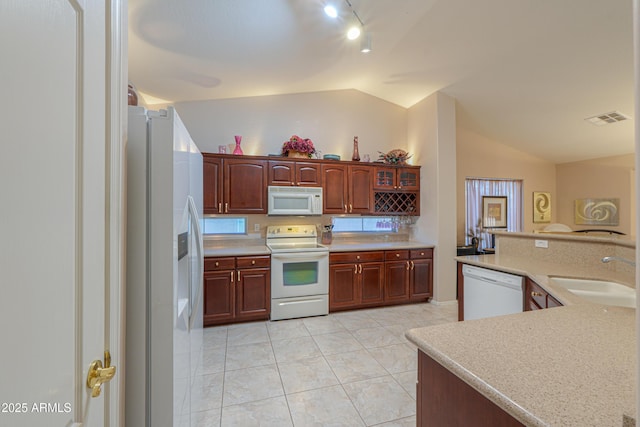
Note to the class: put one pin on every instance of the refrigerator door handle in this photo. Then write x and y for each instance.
(195, 220)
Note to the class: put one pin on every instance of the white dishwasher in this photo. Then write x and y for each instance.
(489, 293)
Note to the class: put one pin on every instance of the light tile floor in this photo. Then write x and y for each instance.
(351, 368)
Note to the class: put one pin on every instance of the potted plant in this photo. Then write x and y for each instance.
(298, 147)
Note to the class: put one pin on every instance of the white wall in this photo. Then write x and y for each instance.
(432, 136)
(330, 119)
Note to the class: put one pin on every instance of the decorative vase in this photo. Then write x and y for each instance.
(132, 95)
(297, 154)
(238, 149)
(356, 153)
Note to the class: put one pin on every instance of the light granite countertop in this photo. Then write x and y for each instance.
(241, 247)
(338, 246)
(566, 366)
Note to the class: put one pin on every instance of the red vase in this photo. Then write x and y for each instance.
(238, 149)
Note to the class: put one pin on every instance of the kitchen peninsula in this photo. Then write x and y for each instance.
(566, 366)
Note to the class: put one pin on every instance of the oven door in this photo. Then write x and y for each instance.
(296, 274)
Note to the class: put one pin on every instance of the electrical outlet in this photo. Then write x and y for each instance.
(542, 243)
(256, 227)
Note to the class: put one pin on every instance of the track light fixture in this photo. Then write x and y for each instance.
(355, 28)
(331, 11)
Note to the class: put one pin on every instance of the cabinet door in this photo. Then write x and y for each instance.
(219, 298)
(343, 286)
(360, 192)
(212, 185)
(335, 188)
(421, 279)
(282, 173)
(384, 178)
(253, 294)
(396, 281)
(308, 174)
(371, 283)
(408, 179)
(245, 186)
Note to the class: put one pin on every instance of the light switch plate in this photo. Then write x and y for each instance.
(542, 243)
(256, 227)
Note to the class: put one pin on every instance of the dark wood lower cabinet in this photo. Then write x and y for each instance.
(443, 399)
(355, 280)
(237, 289)
(375, 278)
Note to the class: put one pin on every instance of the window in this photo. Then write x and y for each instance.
(215, 225)
(475, 188)
(385, 224)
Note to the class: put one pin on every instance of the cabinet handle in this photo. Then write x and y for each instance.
(226, 208)
(421, 253)
(232, 277)
(253, 262)
(536, 294)
(360, 269)
(412, 265)
(217, 264)
(355, 266)
(407, 265)
(397, 255)
(357, 256)
(220, 207)
(345, 209)
(238, 275)
(350, 208)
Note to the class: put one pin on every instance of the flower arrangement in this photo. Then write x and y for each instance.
(394, 157)
(302, 145)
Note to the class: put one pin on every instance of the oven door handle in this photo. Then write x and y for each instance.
(288, 256)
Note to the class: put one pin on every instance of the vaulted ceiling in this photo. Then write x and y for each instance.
(524, 73)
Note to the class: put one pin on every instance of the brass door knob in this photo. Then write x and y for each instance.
(99, 375)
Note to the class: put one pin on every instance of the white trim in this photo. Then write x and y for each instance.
(116, 127)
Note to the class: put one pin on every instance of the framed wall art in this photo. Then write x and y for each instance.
(541, 207)
(597, 211)
(494, 211)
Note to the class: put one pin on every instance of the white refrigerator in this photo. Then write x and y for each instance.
(164, 299)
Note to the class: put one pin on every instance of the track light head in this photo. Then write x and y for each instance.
(365, 43)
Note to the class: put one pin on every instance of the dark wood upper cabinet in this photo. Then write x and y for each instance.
(212, 185)
(360, 196)
(245, 186)
(335, 190)
(396, 178)
(347, 189)
(294, 173)
(238, 184)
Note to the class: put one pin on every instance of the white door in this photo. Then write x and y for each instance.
(61, 124)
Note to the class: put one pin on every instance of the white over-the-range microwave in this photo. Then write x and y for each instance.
(294, 200)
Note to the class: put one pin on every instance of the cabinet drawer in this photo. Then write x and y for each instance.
(421, 253)
(355, 257)
(214, 264)
(254, 261)
(537, 294)
(396, 255)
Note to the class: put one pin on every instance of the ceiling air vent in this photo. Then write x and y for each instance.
(607, 118)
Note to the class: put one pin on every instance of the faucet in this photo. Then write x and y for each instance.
(617, 258)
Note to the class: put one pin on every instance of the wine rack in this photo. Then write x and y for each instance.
(398, 203)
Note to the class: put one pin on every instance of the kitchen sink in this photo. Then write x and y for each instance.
(598, 291)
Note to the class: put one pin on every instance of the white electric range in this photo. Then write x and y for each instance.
(299, 272)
